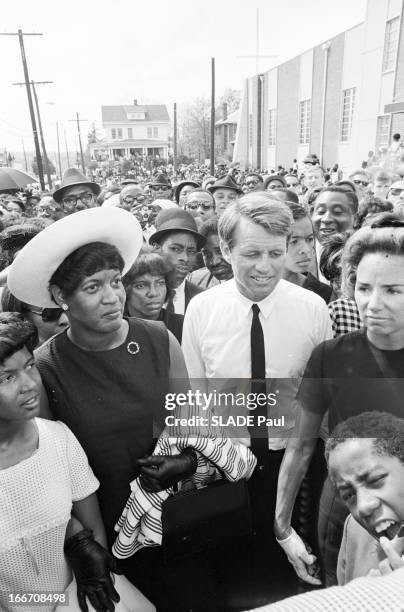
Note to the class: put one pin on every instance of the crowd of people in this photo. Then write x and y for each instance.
(282, 291)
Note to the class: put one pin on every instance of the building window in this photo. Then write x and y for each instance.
(348, 105)
(119, 132)
(149, 133)
(391, 44)
(155, 132)
(130, 132)
(250, 126)
(232, 131)
(383, 128)
(304, 121)
(113, 133)
(271, 127)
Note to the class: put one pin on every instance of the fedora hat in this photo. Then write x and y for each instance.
(30, 273)
(160, 179)
(176, 220)
(225, 183)
(177, 190)
(71, 177)
(274, 177)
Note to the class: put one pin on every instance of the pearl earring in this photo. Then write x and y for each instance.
(64, 306)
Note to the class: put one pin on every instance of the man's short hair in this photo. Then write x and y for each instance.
(258, 176)
(314, 169)
(202, 190)
(209, 227)
(273, 215)
(350, 195)
(291, 196)
(362, 172)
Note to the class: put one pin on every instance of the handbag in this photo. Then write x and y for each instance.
(132, 600)
(213, 516)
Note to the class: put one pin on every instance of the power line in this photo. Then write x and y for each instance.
(21, 35)
(45, 155)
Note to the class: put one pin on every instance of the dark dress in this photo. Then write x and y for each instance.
(113, 401)
(345, 377)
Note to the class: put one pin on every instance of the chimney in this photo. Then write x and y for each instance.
(224, 111)
(135, 102)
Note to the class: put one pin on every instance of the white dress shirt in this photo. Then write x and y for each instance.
(179, 299)
(216, 341)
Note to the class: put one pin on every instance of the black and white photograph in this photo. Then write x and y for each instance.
(202, 306)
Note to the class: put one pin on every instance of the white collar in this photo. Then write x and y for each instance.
(265, 305)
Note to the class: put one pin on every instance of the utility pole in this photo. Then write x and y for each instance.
(212, 122)
(21, 35)
(38, 114)
(57, 138)
(257, 55)
(25, 155)
(79, 135)
(67, 150)
(175, 137)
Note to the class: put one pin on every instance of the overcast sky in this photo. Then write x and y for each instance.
(100, 52)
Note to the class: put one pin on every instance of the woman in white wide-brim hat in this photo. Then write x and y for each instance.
(106, 376)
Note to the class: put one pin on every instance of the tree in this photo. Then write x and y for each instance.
(52, 169)
(194, 132)
(231, 97)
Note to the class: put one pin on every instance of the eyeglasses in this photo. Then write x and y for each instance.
(140, 199)
(363, 183)
(85, 197)
(251, 183)
(204, 205)
(160, 187)
(396, 191)
(48, 315)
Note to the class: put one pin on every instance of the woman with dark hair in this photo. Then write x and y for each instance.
(48, 321)
(147, 289)
(356, 372)
(107, 377)
(343, 310)
(44, 476)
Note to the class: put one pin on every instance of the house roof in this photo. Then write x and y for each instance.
(231, 118)
(118, 114)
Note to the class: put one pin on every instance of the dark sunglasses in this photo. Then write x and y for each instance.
(48, 315)
(363, 183)
(387, 222)
(396, 191)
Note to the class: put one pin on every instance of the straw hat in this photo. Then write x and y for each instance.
(30, 273)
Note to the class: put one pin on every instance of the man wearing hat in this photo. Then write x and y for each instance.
(76, 192)
(225, 191)
(182, 190)
(178, 241)
(160, 187)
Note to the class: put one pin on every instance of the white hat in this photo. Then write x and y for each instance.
(30, 273)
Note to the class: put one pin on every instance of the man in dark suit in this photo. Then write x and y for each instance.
(177, 239)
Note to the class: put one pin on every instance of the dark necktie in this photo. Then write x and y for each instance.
(170, 302)
(259, 441)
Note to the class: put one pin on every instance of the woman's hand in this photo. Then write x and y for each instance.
(303, 562)
(92, 565)
(158, 472)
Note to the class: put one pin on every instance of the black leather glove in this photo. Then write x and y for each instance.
(92, 565)
(158, 472)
